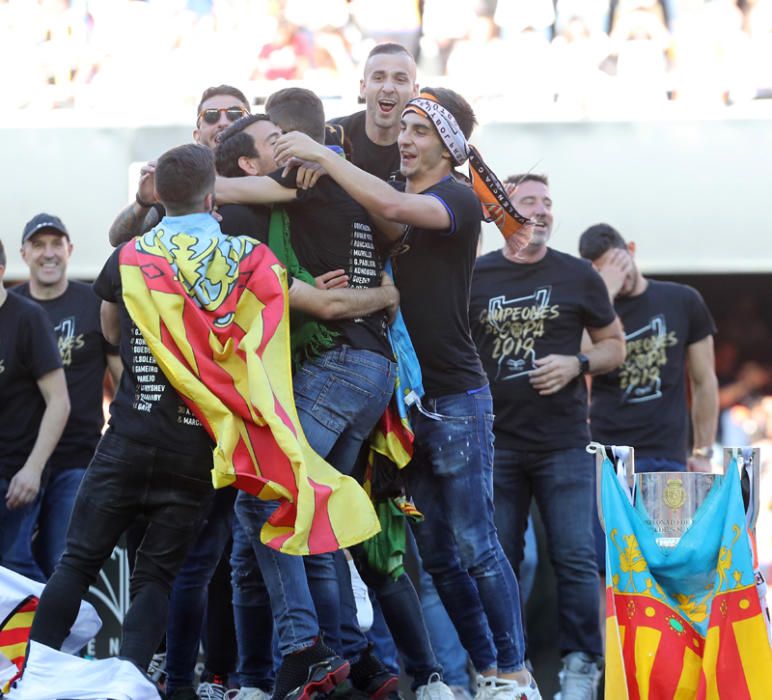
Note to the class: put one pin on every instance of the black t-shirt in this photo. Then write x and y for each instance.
(643, 403)
(245, 220)
(433, 271)
(146, 408)
(75, 318)
(28, 352)
(330, 231)
(381, 161)
(520, 312)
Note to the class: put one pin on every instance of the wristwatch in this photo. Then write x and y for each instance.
(584, 363)
(706, 452)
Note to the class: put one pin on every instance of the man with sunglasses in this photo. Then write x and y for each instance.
(218, 108)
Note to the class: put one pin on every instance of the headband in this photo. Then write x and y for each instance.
(488, 188)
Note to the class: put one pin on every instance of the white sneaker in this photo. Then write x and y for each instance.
(211, 691)
(579, 677)
(248, 694)
(460, 692)
(494, 688)
(434, 689)
(361, 598)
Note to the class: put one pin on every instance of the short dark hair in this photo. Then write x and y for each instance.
(184, 176)
(2, 255)
(457, 106)
(527, 177)
(598, 239)
(222, 90)
(297, 109)
(390, 48)
(234, 143)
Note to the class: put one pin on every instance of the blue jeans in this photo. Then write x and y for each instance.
(284, 575)
(251, 614)
(188, 603)
(126, 480)
(50, 515)
(450, 479)
(445, 642)
(10, 523)
(340, 397)
(561, 481)
(658, 464)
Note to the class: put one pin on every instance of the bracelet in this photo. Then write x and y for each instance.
(144, 205)
(706, 452)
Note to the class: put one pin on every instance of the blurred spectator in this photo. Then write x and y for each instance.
(470, 66)
(579, 50)
(442, 29)
(288, 55)
(641, 41)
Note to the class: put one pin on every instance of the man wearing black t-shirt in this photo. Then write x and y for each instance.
(389, 81)
(529, 310)
(669, 334)
(246, 148)
(73, 310)
(342, 392)
(218, 107)
(154, 461)
(33, 406)
(438, 220)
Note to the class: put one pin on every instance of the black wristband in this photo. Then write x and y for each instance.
(145, 205)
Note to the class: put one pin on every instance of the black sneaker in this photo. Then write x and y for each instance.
(371, 677)
(302, 675)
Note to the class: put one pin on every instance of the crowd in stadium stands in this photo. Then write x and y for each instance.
(585, 58)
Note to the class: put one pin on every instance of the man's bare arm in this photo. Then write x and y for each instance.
(25, 484)
(339, 304)
(378, 197)
(252, 189)
(133, 221)
(606, 352)
(700, 366)
(111, 327)
(136, 219)
(115, 369)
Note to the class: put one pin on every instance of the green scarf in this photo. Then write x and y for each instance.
(309, 337)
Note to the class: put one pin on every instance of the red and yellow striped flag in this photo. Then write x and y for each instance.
(14, 634)
(683, 623)
(213, 310)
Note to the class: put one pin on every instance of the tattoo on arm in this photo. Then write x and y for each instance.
(131, 222)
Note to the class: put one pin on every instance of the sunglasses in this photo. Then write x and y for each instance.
(212, 116)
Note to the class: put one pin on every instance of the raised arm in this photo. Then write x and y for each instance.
(25, 484)
(338, 304)
(252, 189)
(140, 216)
(375, 195)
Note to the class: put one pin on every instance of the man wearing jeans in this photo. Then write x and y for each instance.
(342, 391)
(529, 310)
(450, 477)
(33, 406)
(73, 310)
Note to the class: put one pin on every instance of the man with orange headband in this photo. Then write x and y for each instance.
(437, 221)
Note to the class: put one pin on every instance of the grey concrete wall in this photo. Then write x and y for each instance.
(692, 194)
